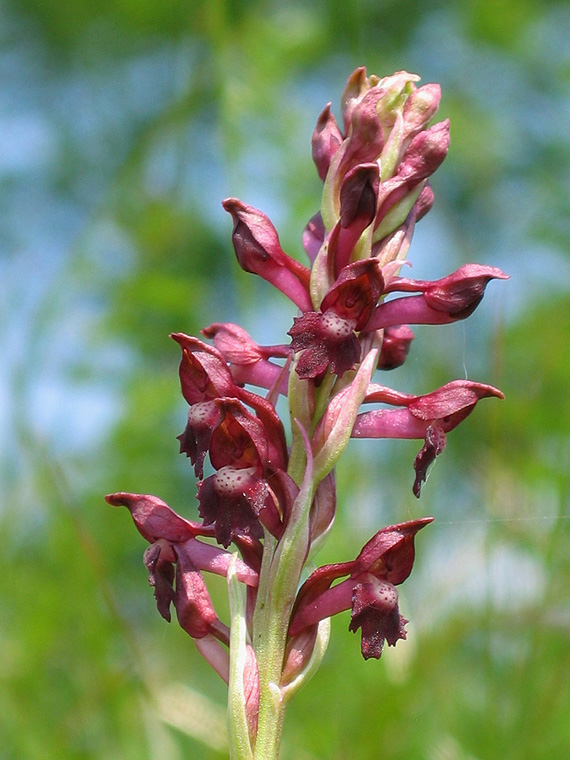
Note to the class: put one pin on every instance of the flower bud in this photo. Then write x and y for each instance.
(396, 89)
(356, 86)
(395, 346)
(425, 153)
(325, 141)
(424, 202)
(366, 136)
(420, 108)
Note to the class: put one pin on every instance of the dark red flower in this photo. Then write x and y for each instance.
(430, 416)
(327, 337)
(231, 500)
(324, 339)
(369, 591)
(173, 543)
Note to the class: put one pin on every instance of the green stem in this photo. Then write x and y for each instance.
(281, 570)
(322, 398)
(278, 585)
(238, 730)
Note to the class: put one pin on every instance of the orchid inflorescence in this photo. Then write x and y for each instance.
(272, 492)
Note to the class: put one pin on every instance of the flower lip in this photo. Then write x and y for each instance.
(375, 611)
(324, 340)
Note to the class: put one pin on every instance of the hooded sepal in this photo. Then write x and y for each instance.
(204, 374)
(441, 301)
(259, 251)
(458, 294)
(155, 520)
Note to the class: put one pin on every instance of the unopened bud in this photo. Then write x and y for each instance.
(356, 86)
(420, 108)
(425, 153)
(325, 141)
(395, 346)
(424, 202)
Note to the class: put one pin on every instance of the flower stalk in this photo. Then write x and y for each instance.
(272, 493)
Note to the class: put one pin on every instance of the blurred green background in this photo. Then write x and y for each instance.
(122, 126)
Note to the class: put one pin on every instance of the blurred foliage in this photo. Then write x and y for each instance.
(124, 124)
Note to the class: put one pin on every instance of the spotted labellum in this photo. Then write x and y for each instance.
(268, 500)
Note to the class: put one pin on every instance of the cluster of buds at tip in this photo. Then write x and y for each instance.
(271, 491)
